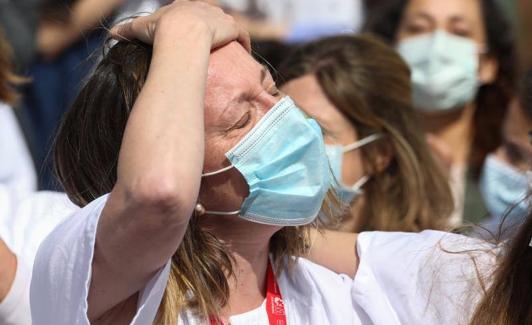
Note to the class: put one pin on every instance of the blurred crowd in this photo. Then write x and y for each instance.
(425, 108)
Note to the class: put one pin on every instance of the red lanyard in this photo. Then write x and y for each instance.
(274, 301)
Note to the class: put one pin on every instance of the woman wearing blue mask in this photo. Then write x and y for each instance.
(462, 61)
(376, 148)
(504, 181)
(199, 185)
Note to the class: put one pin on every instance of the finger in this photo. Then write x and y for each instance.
(122, 31)
(244, 39)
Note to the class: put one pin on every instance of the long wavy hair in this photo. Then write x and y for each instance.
(369, 83)
(86, 156)
(492, 99)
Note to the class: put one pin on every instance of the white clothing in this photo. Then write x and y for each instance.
(23, 226)
(402, 279)
(345, 13)
(17, 171)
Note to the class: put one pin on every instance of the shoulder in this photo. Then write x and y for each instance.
(405, 248)
(427, 277)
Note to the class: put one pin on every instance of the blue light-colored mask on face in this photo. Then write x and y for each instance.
(335, 153)
(444, 70)
(504, 188)
(284, 163)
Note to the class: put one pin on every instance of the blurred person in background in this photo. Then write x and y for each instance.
(296, 20)
(67, 34)
(26, 217)
(461, 54)
(358, 88)
(504, 180)
(17, 172)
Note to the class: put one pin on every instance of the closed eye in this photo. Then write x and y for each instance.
(242, 122)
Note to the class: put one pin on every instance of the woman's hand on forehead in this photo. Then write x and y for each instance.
(180, 16)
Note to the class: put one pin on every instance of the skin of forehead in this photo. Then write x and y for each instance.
(308, 94)
(231, 71)
(443, 10)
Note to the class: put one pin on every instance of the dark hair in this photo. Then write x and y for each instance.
(525, 93)
(369, 83)
(507, 300)
(492, 99)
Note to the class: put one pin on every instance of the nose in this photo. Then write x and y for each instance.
(268, 101)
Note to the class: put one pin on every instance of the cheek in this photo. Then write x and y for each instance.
(226, 191)
(352, 168)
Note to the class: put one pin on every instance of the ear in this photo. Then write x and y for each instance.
(488, 69)
(383, 158)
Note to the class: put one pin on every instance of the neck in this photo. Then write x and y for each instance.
(353, 220)
(248, 244)
(454, 130)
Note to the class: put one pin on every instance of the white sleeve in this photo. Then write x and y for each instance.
(62, 271)
(15, 308)
(420, 278)
(16, 166)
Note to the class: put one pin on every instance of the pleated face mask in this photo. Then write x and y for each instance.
(444, 70)
(284, 163)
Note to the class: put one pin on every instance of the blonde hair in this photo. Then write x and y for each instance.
(370, 84)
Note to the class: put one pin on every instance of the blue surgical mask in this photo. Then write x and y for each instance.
(444, 70)
(335, 153)
(284, 163)
(504, 188)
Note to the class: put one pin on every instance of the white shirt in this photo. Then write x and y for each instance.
(402, 279)
(17, 171)
(23, 226)
(345, 13)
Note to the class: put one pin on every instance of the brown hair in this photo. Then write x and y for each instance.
(370, 84)
(7, 78)
(86, 155)
(492, 99)
(507, 300)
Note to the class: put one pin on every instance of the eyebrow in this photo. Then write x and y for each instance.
(264, 71)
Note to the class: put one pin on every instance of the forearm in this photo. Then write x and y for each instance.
(163, 147)
(335, 250)
(8, 269)
(159, 172)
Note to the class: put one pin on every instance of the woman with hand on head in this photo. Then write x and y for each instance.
(462, 57)
(189, 137)
(358, 89)
(215, 182)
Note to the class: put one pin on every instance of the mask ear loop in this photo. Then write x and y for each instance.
(361, 182)
(200, 209)
(363, 142)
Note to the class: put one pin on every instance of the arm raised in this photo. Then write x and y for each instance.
(161, 158)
